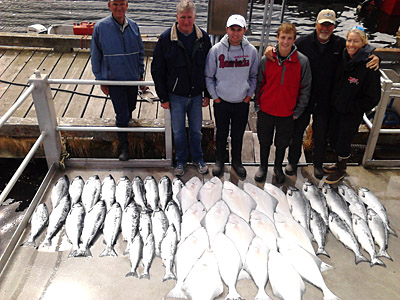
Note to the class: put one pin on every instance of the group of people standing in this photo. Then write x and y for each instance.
(320, 74)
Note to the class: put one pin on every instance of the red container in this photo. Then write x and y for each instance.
(83, 28)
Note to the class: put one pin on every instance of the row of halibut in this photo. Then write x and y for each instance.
(224, 231)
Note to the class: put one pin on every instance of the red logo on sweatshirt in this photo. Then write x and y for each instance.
(240, 61)
(353, 80)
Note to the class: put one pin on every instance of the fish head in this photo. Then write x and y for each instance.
(363, 191)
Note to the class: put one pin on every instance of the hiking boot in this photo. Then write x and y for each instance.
(180, 169)
(338, 175)
(279, 176)
(201, 167)
(218, 169)
(318, 172)
(291, 169)
(124, 156)
(261, 174)
(330, 168)
(239, 169)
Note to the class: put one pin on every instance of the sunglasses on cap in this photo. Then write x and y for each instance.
(359, 28)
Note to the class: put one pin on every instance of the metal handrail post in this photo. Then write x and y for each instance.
(378, 119)
(168, 135)
(46, 117)
(282, 10)
(265, 35)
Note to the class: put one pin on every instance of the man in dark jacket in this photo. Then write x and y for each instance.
(118, 54)
(178, 73)
(324, 50)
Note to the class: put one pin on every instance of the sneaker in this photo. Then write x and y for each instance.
(291, 169)
(218, 169)
(124, 156)
(261, 174)
(180, 169)
(201, 167)
(239, 169)
(279, 176)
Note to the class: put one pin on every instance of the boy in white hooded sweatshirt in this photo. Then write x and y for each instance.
(231, 78)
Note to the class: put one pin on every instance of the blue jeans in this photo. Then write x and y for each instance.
(180, 106)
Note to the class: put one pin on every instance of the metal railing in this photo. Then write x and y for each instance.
(39, 87)
(389, 90)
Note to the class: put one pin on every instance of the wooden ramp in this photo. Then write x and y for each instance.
(86, 105)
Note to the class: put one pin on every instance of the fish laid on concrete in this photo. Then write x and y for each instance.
(240, 233)
(56, 219)
(229, 263)
(91, 192)
(187, 254)
(344, 234)
(168, 250)
(257, 266)
(289, 229)
(373, 202)
(112, 226)
(60, 190)
(206, 272)
(177, 186)
(165, 191)
(304, 263)
(123, 192)
(94, 219)
(337, 204)
(40, 218)
(139, 192)
(107, 193)
(188, 195)
(283, 275)
(191, 219)
(135, 255)
(319, 230)
(317, 200)
(299, 206)
(239, 202)
(145, 226)
(148, 255)
(216, 219)
(174, 217)
(379, 233)
(74, 226)
(160, 225)
(152, 195)
(210, 192)
(264, 228)
(265, 202)
(282, 206)
(130, 224)
(75, 189)
(364, 237)
(356, 206)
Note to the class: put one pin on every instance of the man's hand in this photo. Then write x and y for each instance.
(373, 63)
(206, 101)
(165, 105)
(142, 87)
(105, 89)
(217, 100)
(247, 99)
(269, 53)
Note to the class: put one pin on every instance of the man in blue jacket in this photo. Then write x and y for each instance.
(118, 54)
(178, 73)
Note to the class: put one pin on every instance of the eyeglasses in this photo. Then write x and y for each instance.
(359, 28)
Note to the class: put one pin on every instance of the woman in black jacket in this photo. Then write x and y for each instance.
(357, 90)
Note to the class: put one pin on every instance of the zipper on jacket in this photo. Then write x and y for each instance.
(283, 73)
(176, 82)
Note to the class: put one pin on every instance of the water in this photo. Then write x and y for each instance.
(16, 15)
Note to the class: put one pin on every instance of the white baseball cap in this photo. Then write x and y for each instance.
(236, 20)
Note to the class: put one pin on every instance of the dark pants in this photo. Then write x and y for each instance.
(342, 129)
(235, 115)
(300, 125)
(124, 100)
(267, 125)
(320, 129)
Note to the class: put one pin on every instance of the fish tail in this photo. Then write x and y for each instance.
(169, 275)
(325, 267)
(29, 243)
(132, 274)
(177, 292)
(390, 230)
(262, 295)
(85, 253)
(383, 253)
(145, 274)
(360, 258)
(377, 261)
(233, 294)
(322, 251)
(109, 251)
(46, 243)
(73, 253)
(328, 295)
